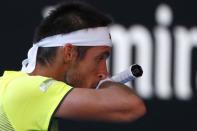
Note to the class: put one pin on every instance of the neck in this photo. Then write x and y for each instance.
(49, 70)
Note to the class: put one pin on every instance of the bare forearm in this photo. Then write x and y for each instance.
(113, 102)
(125, 101)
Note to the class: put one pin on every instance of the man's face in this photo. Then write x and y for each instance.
(86, 73)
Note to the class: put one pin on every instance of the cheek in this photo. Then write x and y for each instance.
(82, 76)
(88, 76)
(88, 72)
(91, 70)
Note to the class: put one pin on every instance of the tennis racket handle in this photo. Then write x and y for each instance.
(133, 72)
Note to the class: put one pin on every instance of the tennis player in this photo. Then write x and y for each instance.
(61, 73)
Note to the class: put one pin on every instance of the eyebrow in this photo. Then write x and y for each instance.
(106, 54)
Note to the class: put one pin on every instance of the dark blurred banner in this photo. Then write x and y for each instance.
(159, 35)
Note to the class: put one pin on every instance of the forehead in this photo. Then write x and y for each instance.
(99, 50)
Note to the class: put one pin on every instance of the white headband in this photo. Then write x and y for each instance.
(99, 36)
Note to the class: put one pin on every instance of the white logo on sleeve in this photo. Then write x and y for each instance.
(45, 85)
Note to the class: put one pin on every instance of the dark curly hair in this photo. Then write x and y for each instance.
(66, 18)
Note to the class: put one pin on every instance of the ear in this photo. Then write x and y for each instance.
(69, 52)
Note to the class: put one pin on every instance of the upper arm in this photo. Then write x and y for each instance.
(108, 104)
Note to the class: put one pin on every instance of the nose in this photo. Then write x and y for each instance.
(103, 72)
(102, 76)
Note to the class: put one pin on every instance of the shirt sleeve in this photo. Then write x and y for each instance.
(32, 102)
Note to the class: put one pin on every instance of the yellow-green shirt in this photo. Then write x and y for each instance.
(28, 102)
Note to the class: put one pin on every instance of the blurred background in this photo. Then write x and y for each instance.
(160, 35)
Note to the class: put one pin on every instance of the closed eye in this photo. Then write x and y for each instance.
(103, 56)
